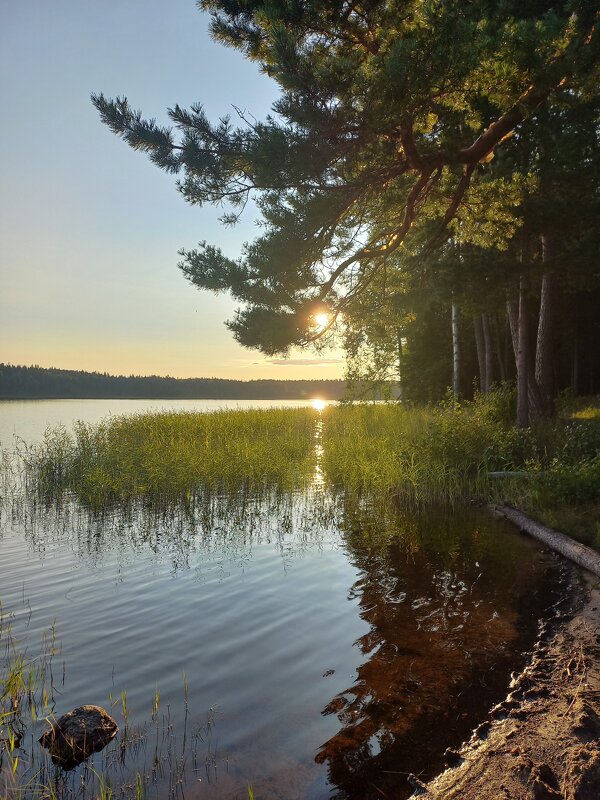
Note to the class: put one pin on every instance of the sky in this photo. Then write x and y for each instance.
(90, 229)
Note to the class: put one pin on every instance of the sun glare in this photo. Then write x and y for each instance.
(321, 320)
(318, 404)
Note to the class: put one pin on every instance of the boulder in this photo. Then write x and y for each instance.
(76, 735)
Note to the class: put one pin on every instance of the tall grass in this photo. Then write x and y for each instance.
(422, 456)
(445, 454)
(166, 456)
(419, 456)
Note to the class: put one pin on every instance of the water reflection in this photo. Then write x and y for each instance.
(344, 642)
(444, 626)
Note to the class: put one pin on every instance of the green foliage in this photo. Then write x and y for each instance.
(379, 148)
(441, 454)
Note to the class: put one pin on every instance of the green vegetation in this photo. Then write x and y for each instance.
(167, 456)
(441, 454)
(438, 214)
(444, 454)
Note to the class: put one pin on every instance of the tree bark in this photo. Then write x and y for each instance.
(455, 351)
(500, 353)
(534, 401)
(400, 354)
(581, 554)
(489, 352)
(523, 357)
(544, 353)
(512, 312)
(478, 328)
(575, 367)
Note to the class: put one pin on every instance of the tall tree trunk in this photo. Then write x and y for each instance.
(400, 354)
(533, 393)
(523, 357)
(544, 353)
(489, 352)
(512, 313)
(498, 346)
(575, 367)
(455, 351)
(478, 328)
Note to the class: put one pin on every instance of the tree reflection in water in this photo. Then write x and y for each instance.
(448, 606)
(449, 599)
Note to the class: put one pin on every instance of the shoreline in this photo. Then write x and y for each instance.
(543, 741)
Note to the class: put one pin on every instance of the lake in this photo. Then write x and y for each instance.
(309, 645)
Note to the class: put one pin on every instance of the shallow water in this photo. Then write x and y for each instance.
(309, 645)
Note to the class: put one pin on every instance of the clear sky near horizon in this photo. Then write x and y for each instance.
(89, 229)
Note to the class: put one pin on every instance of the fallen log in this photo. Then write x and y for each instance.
(579, 553)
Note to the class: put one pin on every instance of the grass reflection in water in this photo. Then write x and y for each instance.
(380, 642)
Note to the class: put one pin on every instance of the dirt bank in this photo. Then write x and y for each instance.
(543, 741)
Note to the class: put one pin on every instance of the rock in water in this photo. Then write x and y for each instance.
(77, 734)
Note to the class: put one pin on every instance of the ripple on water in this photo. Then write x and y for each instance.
(314, 661)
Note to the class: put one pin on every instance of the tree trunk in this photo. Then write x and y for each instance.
(523, 357)
(544, 353)
(575, 367)
(534, 403)
(400, 354)
(512, 312)
(489, 352)
(498, 346)
(455, 351)
(478, 327)
(581, 554)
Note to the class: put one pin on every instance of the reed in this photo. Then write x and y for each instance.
(421, 456)
(167, 456)
(441, 454)
(444, 454)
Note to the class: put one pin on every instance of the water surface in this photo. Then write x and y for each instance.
(309, 645)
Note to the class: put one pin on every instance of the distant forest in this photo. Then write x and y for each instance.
(31, 382)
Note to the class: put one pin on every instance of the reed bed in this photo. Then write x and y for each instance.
(421, 456)
(452, 453)
(167, 456)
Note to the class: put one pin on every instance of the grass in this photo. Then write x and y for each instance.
(421, 457)
(167, 456)
(444, 454)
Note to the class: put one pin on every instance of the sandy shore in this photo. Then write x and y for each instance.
(543, 741)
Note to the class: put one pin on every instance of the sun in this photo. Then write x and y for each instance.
(321, 320)
(318, 404)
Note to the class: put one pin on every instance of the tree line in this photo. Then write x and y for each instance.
(39, 382)
(428, 183)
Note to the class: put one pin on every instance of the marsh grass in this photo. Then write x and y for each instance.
(420, 457)
(445, 454)
(167, 456)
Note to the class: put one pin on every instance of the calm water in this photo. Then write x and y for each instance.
(28, 419)
(307, 645)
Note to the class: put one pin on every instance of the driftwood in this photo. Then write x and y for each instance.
(575, 551)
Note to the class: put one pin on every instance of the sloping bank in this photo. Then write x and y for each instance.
(543, 741)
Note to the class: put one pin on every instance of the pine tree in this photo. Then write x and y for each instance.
(387, 117)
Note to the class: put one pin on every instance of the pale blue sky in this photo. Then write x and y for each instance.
(89, 229)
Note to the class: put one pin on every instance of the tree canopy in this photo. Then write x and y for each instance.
(389, 114)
